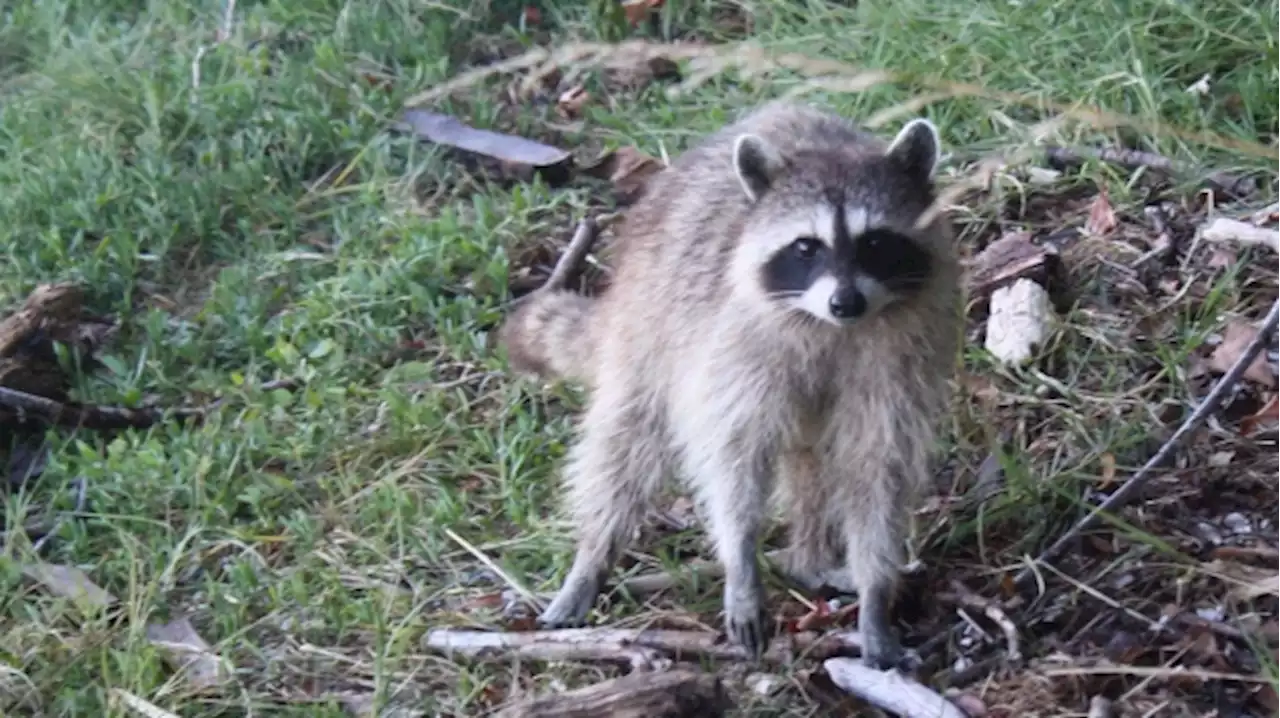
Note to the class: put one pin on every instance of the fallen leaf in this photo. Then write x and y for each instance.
(1222, 257)
(1235, 339)
(69, 582)
(1266, 417)
(532, 15)
(628, 169)
(140, 706)
(971, 704)
(1102, 218)
(1011, 257)
(186, 651)
(1108, 462)
(1266, 697)
(638, 10)
(518, 154)
(572, 101)
(488, 600)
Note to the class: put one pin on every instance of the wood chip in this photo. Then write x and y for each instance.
(1224, 229)
(889, 690)
(1020, 321)
(1014, 256)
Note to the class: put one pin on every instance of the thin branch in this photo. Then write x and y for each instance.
(967, 598)
(88, 416)
(630, 646)
(1135, 483)
(1134, 159)
(570, 263)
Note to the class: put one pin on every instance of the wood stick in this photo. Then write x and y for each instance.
(890, 690)
(669, 694)
(87, 416)
(967, 598)
(1134, 159)
(639, 648)
(1135, 483)
(570, 263)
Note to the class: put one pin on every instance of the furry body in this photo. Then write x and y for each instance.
(751, 364)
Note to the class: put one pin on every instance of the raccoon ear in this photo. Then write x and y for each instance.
(917, 149)
(757, 163)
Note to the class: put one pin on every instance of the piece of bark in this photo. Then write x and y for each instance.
(669, 694)
(48, 303)
(890, 690)
(518, 155)
(1010, 258)
(1225, 229)
(1020, 320)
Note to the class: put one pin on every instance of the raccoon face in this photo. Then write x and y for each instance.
(838, 244)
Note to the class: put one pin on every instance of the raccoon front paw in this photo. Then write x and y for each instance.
(571, 605)
(745, 622)
(885, 653)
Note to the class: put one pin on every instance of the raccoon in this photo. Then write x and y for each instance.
(782, 323)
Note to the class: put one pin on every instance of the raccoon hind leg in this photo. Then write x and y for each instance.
(612, 473)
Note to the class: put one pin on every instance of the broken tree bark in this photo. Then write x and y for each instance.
(669, 694)
(48, 303)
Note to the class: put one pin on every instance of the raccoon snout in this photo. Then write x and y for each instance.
(847, 303)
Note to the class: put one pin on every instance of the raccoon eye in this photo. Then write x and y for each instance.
(806, 247)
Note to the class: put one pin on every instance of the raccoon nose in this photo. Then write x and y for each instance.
(848, 304)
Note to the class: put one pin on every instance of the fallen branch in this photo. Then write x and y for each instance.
(963, 596)
(669, 694)
(1135, 159)
(890, 690)
(87, 416)
(640, 649)
(1135, 483)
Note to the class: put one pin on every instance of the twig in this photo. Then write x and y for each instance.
(1134, 159)
(969, 599)
(890, 690)
(1225, 229)
(88, 416)
(570, 263)
(1154, 672)
(1135, 483)
(642, 647)
(517, 586)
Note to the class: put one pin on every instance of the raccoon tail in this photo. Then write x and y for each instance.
(549, 336)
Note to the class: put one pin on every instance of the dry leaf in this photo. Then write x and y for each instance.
(1108, 461)
(1102, 218)
(1235, 339)
(628, 169)
(1267, 417)
(1011, 257)
(69, 582)
(637, 11)
(139, 706)
(516, 153)
(572, 101)
(185, 650)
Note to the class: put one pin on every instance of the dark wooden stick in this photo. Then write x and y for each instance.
(1135, 483)
(643, 694)
(87, 416)
(1133, 159)
(570, 263)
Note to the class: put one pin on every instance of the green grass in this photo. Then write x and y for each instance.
(304, 532)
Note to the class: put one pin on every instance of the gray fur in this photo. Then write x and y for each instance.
(692, 371)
